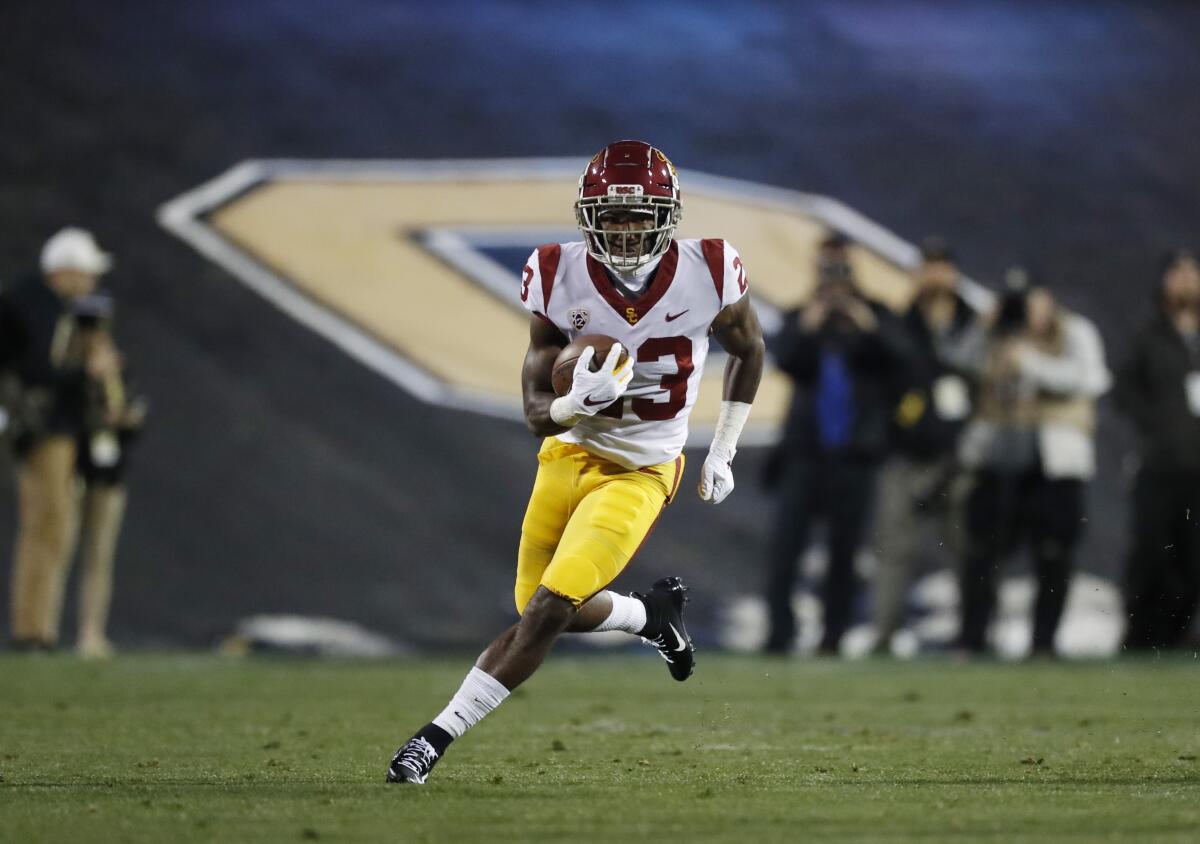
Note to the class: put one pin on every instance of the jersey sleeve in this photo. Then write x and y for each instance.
(537, 279)
(725, 267)
(736, 283)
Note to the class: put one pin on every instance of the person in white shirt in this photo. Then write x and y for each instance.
(1029, 448)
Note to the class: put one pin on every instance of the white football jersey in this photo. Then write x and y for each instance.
(665, 330)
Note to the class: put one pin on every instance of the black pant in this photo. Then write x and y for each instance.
(1163, 580)
(1002, 512)
(842, 488)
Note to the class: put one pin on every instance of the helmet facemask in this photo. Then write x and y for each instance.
(627, 231)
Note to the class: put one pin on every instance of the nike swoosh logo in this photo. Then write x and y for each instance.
(587, 400)
(672, 317)
(678, 638)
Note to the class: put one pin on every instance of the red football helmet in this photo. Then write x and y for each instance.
(628, 205)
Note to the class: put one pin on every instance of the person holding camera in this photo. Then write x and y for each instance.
(844, 353)
(1158, 388)
(1030, 449)
(919, 486)
(58, 356)
(113, 419)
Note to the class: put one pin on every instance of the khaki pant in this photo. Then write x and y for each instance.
(47, 521)
(900, 529)
(48, 527)
(103, 511)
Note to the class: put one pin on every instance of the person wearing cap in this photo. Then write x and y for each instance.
(844, 353)
(53, 362)
(1029, 447)
(1158, 388)
(920, 486)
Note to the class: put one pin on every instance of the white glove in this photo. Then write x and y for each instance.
(591, 392)
(716, 476)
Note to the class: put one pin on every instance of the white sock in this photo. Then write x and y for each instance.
(478, 695)
(628, 614)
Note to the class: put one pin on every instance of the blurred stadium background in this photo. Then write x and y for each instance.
(280, 475)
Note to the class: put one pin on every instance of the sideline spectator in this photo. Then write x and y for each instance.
(917, 487)
(112, 421)
(1158, 388)
(843, 352)
(1030, 448)
(45, 344)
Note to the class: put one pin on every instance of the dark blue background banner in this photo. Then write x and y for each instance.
(278, 475)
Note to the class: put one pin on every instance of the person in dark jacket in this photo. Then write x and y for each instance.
(41, 345)
(844, 353)
(1158, 388)
(919, 485)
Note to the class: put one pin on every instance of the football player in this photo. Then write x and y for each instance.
(612, 456)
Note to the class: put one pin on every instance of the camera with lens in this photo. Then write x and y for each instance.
(1011, 315)
(93, 311)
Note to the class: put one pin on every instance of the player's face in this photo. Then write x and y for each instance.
(624, 231)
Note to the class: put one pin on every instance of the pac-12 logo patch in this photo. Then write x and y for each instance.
(579, 318)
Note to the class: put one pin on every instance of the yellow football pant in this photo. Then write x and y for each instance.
(586, 519)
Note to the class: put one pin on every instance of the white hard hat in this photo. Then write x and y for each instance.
(74, 249)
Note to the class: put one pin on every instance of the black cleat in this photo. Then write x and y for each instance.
(413, 762)
(665, 603)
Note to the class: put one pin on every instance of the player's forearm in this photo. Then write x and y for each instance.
(537, 414)
(716, 476)
(743, 372)
(536, 392)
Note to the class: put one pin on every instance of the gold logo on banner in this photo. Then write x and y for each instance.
(334, 242)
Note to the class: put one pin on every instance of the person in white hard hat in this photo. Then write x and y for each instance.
(72, 262)
(42, 345)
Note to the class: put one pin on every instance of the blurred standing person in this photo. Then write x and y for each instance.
(844, 353)
(112, 420)
(917, 485)
(1030, 449)
(1158, 388)
(40, 344)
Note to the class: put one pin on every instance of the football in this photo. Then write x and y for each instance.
(564, 365)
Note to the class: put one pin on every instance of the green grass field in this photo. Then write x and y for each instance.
(188, 748)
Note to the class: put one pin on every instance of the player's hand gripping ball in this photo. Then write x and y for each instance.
(588, 381)
(563, 374)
